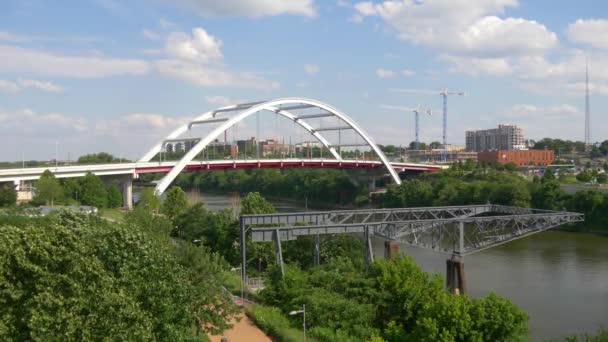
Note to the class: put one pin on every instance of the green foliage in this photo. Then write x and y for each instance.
(601, 336)
(563, 146)
(584, 176)
(411, 193)
(8, 196)
(175, 202)
(254, 203)
(218, 231)
(48, 189)
(602, 178)
(99, 158)
(548, 195)
(148, 201)
(274, 323)
(114, 195)
(75, 277)
(394, 301)
(314, 185)
(93, 191)
(548, 176)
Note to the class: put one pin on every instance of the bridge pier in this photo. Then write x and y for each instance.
(127, 192)
(369, 252)
(317, 259)
(455, 278)
(391, 249)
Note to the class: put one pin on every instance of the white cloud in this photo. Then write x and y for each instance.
(476, 66)
(11, 37)
(197, 59)
(8, 87)
(408, 73)
(311, 69)
(21, 84)
(539, 121)
(139, 123)
(26, 121)
(201, 47)
(17, 59)
(219, 100)
(464, 26)
(385, 74)
(46, 86)
(208, 76)
(150, 35)
(593, 32)
(249, 8)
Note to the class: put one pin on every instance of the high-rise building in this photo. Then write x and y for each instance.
(505, 137)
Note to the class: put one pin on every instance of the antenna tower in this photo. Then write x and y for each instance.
(587, 108)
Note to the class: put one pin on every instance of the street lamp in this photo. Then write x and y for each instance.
(242, 291)
(303, 312)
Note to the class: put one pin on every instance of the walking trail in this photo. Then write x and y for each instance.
(243, 331)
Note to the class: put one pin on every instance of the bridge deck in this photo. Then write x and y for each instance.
(19, 174)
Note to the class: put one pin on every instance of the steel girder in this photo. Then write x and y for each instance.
(455, 229)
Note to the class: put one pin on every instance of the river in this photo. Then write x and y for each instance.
(560, 279)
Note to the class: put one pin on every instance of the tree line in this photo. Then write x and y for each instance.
(451, 187)
(324, 186)
(87, 190)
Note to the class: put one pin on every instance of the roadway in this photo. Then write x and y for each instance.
(134, 169)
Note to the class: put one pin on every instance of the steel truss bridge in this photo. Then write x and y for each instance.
(455, 230)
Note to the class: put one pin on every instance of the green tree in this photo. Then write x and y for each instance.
(411, 193)
(602, 178)
(254, 203)
(584, 176)
(80, 278)
(175, 202)
(114, 195)
(93, 191)
(48, 188)
(548, 195)
(548, 175)
(71, 189)
(148, 201)
(435, 145)
(515, 194)
(8, 196)
(97, 158)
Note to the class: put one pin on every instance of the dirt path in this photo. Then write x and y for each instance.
(243, 331)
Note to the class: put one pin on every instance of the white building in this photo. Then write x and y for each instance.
(505, 137)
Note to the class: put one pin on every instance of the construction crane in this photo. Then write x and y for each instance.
(444, 95)
(416, 112)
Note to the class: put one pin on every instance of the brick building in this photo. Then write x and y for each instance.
(519, 157)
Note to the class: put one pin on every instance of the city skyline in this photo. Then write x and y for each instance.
(101, 75)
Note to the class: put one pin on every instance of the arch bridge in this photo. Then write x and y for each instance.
(301, 111)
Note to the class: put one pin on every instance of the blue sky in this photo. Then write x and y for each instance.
(92, 75)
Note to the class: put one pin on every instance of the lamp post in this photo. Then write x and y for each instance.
(242, 290)
(303, 312)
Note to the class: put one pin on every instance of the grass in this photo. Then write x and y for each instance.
(113, 214)
(272, 321)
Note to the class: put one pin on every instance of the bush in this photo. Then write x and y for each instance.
(274, 323)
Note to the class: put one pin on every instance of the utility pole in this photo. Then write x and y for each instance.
(587, 108)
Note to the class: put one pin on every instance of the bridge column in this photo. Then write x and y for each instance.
(391, 249)
(369, 253)
(455, 278)
(317, 259)
(127, 192)
(17, 185)
(278, 252)
(372, 184)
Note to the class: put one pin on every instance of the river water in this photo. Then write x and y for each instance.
(560, 279)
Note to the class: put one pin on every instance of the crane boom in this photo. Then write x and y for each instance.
(416, 112)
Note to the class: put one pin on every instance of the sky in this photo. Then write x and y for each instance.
(82, 76)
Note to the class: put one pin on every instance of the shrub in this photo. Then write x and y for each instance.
(274, 323)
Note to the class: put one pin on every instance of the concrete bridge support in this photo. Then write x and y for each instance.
(127, 192)
(455, 278)
(391, 249)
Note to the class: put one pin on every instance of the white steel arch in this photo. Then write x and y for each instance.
(273, 106)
